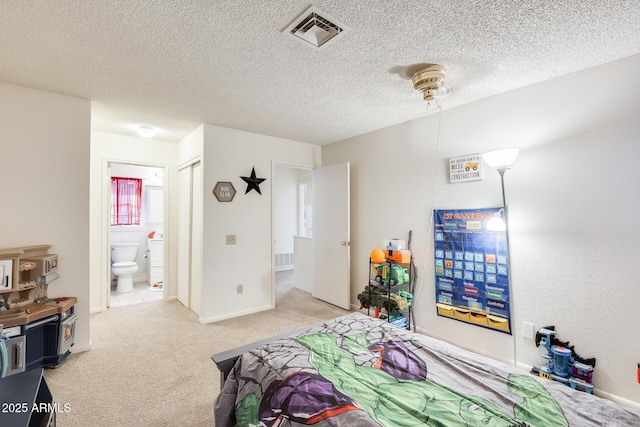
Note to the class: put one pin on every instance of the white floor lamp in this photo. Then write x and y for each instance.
(501, 160)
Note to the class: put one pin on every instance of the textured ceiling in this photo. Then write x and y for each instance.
(176, 64)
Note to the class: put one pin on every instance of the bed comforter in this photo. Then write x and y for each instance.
(359, 371)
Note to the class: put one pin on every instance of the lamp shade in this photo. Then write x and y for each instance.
(496, 224)
(500, 158)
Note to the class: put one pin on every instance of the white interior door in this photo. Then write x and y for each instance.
(184, 236)
(331, 235)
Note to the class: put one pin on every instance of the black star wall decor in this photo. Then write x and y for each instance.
(253, 183)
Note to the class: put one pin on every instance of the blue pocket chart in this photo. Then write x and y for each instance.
(475, 287)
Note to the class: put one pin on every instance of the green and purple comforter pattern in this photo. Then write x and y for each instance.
(359, 371)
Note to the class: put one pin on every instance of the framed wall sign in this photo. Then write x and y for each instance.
(465, 168)
(224, 191)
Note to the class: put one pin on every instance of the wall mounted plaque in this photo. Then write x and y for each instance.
(224, 191)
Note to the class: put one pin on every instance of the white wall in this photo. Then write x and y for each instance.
(44, 152)
(285, 209)
(228, 155)
(191, 147)
(572, 196)
(303, 265)
(106, 148)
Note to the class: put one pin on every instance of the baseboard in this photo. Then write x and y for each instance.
(79, 349)
(232, 315)
(617, 399)
(598, 392)
(466, 347)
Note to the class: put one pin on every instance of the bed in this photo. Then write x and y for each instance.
(356, 370)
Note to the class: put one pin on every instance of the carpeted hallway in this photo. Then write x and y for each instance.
(151, 363)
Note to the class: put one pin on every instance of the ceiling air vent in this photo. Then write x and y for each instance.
(315, 28)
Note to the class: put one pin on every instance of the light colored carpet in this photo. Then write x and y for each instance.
(151, 363)
(284, 283)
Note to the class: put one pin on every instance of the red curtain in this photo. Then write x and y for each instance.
(126, 199)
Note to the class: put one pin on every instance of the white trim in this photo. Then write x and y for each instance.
(105, 241)
(463, 346)
(617, 399)
(188, 163)
(274, 165)
(80, 349)
(598, 392)
(233, 315)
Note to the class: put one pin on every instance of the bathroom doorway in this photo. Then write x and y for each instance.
(292, 227)
(144, 227)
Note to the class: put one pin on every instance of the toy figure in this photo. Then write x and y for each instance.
(563, 363)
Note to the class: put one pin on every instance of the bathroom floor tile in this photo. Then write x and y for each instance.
(130, 302)
(139, 295)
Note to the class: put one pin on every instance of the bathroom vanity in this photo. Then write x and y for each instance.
(155, 250)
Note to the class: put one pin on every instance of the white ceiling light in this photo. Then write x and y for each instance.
(315, 28)
(443, 91)
(146, 131)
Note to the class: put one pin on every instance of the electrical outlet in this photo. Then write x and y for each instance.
(239, 289)
(231, 239)
(528, 330)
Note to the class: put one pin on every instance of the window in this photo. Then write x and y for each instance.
(126, 196)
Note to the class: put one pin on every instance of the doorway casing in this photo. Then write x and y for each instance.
(275, 164)
(190, 230)
(336, 179)
(105, 256)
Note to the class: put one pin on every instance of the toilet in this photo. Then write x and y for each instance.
(123, 257)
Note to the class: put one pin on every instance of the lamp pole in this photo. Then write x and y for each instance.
(501, 171)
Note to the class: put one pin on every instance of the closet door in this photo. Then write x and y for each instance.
(184, 235)
(189, 289)
(195, 295)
